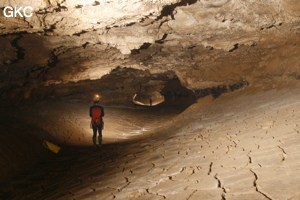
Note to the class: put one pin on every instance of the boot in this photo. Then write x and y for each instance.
(94, 142)
(100, 140)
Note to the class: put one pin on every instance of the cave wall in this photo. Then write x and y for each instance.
(196, 67)
(205, 44)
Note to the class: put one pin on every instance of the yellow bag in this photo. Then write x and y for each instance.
(52, 147)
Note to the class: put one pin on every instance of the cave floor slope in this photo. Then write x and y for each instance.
(240, 146)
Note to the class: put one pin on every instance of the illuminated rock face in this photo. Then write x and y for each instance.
(205, 43)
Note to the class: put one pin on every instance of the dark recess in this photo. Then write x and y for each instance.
(161, 41)
(168, 10)
(146, 45)
(176, 94)
(219, 90)
(236, 46)
(20, 50)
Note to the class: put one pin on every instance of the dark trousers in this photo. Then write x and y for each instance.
(95, 129)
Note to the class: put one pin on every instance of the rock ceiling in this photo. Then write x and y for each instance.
(205, 43)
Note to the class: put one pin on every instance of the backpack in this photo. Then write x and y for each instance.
(96, 116)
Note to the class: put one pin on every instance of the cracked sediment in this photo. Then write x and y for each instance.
(242, 145)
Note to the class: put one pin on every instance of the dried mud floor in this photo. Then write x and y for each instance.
(241, 146)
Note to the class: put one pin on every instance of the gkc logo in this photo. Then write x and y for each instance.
(14, 11)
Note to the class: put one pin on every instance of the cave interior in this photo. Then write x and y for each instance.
(201, 99)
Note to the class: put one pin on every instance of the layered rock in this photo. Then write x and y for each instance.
(206, 43)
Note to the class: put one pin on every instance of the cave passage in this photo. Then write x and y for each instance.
(237, 136)
(201, 99)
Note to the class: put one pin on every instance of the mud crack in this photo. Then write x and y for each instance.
(256, 187)
(284, 154)
(249, 157)
(210, 168)
(220, 186)
(159, 195)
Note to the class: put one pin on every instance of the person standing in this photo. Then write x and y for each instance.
(97, 114)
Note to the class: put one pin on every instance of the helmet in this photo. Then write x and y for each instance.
(96, 98)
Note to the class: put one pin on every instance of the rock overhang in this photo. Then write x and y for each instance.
(205, 43)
